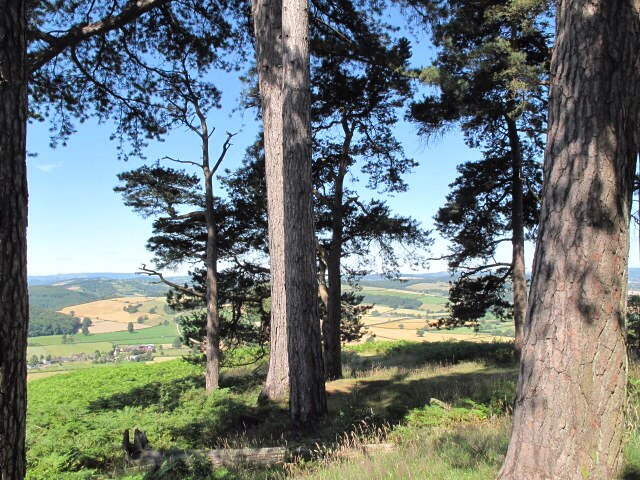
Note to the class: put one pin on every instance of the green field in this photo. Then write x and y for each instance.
(103, 342)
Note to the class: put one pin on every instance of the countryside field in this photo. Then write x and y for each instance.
(400, 312)
(110, 315)
(102, 342)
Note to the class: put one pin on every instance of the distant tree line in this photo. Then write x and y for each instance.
(392, 301)
(47, 322)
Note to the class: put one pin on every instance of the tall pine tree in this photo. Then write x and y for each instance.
(491, 70)
(568, 420)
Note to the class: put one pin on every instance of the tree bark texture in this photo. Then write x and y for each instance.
(331, 327)
(212, 345)
(570, 398)
(267, 18)
(518, 276)
(14, 310)
(306, 371)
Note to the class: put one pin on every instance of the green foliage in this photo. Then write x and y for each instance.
(393, 301)
(633, 324)
(130, 327)
(56, 297)
(131, 307)
(76, 420)
(470, 298)
(43, 321)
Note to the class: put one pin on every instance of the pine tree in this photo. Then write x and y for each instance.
(282, 58)
(14, 313)
(359, 83)
(491, 71)
(568, 420)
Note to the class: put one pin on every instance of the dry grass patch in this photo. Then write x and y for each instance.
(390, 333)
(112, 310)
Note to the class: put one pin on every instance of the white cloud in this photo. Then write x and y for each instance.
(47, 167)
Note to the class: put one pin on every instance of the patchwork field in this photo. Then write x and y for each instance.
(111, 315)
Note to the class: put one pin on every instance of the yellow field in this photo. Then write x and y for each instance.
(110, 316)
(411, 324)
(429, 336)
(428, 286)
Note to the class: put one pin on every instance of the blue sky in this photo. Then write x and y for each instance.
(78, 224)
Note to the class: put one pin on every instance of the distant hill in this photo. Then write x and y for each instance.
(54, 298)
(65, 277)
(433, 277)
(48, 295)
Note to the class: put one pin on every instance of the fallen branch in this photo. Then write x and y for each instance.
(140, 454)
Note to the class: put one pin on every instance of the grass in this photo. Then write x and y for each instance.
(157, 334)
(473, 451)
(444, 406)
(68, 349)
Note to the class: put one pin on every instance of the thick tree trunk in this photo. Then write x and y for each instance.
(267, 18)
(306, 372)
(518, 276)
(569, 414)
(14, 310)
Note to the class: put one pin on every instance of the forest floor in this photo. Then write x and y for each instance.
(442, 410)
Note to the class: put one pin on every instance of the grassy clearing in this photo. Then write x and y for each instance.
(474, 450)
(445, 406)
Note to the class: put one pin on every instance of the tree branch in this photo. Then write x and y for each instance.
(225, 148)
(78, 33)
(197, 215)
(154, 273)
(472, 271)
(186, 162)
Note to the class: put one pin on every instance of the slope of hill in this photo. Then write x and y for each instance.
(55, 297)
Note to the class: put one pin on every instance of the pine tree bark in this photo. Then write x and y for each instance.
(212, 345)
(570, 398)
(518, 276)
(307, 398)
(267, 18)
(331, 326)
(14, 309)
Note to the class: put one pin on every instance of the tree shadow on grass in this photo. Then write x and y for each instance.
(163, 395)
(394, 397)
(414, 355)
(631, 472)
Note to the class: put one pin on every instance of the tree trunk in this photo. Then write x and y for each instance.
(267, 20)
(212, 345)
(331, 327)
(570, 398)
(518, 276)
(306, 373)
(14, 308)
